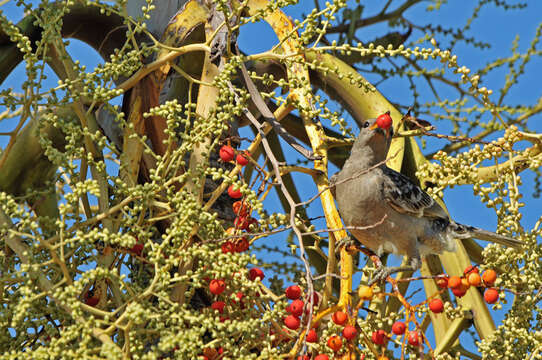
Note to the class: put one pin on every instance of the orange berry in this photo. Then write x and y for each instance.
(459, 291)
(312, 336)
(349, 332)
(379, 337)
(365, 292)
(414, 338)
(296, 307)
(339, 317)
(240, 208)
(335, 343)
(234, 194)
(454, 282)
(489, 277)
(465, 283)
(292, 322)
(474, 279)
(242, 158)
(491, 296)
(321, 357)
(384, 121)
(398, 328)
(436, 306)
(217, 286)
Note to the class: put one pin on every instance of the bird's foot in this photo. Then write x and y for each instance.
(380, 275)
(382, 272)
(348, 244)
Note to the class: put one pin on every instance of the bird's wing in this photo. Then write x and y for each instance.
(406, 197)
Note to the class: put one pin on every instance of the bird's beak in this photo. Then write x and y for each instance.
(374, 126)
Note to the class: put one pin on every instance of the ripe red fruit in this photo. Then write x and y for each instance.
(339, 317)
(303, 357)
(321, 357)
(292, 322)
(227, 247)
(255, 273)
(349, 332)
(489, 277)
(226, 153)
(414, 338)
(241, 245)
(296, 307)
(442, 282)
(242, 159)
(218, 306)
(398, 328)
(335, 343)
(471, 269)
(384, 121)
(91, 299)
(241, 222)
(491, 296)
(137, 249)
(379, 337)
(240, 208)
(217, 286)
(436, 306)
(312, 337)
(454, 282)
(234, 194)
(293, 292)
(459, 291)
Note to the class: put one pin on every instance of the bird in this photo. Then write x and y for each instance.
(387, 212)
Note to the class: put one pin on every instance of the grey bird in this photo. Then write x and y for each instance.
(408, 221)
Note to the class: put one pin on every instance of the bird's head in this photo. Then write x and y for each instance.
(376, 134)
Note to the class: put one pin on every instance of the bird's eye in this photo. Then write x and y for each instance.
(366, 124)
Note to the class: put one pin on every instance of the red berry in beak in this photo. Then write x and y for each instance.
(384, 121)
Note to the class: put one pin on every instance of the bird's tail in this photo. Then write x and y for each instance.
(488, 236)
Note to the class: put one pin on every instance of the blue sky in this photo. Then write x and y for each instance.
(494, 25)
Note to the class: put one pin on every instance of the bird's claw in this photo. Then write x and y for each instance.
(380, 275)
(348, 243)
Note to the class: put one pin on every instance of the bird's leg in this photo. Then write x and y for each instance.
(382, 272)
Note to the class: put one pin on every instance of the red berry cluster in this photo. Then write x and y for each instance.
(227, 154)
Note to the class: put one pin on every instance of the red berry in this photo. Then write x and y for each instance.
(255, 273)
(137, 249)
(442, 281)
(459, 291)
(436, 306)
(414, 338)
(234, 194)
(226, 153)
(218, 306)
(217, 286)
(296, 307)
(454, 282)
(303, 357)
(242, 159)
(293, 292)
(240, 208)
(91, 300)
(312, 337)
(241, 245)
(241, 222)
(491, 296)
(349, 332)
(321, 357)
(471, 269)
(379, 337)
(227, 247)
(384, 121)
(292, 322)
(335, 343)
(398, 328)
(339, 317)
(489, 277)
